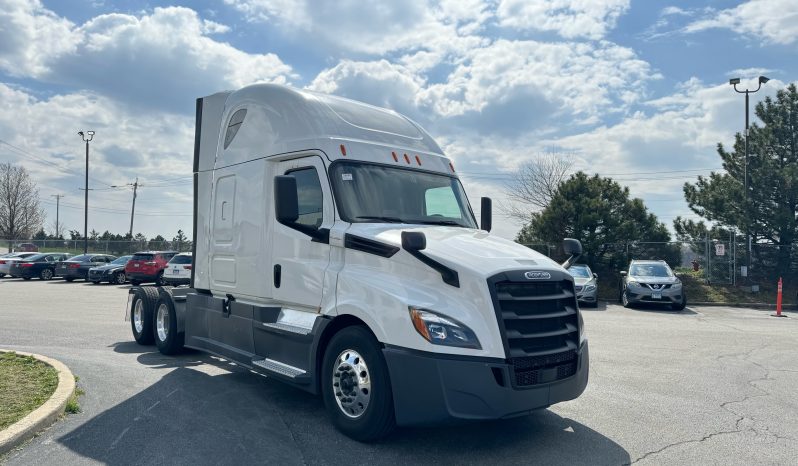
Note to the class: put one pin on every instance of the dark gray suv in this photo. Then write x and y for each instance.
(651, 282)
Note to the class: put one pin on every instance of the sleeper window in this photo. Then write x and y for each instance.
(232, 128)
(310, 197)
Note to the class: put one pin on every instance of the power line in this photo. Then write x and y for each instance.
(48, 162)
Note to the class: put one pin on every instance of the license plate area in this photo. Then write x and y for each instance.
(656, 295)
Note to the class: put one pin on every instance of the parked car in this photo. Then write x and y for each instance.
(585, 284)
(7, 259)
(37, 265)
(113, 272)
(78, 267)
(148, 266)
(649, 281)
(26, 247)
(178, 270)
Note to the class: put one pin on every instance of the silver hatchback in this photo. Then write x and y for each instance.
(651, 282)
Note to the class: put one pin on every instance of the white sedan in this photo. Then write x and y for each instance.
(7, 259)
(178, 270)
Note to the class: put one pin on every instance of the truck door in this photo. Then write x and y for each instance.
(300, 262)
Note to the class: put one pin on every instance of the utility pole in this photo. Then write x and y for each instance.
(57, 207)
(734, 82)
(90, 135)
(133, 209)
(135, 186)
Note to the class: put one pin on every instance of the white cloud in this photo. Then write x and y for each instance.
(44, 131)
(163, 59)
(591, 19)
(771, 21)
(375, 28)
(29, 35)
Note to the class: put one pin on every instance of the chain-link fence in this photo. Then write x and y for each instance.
(99, 246)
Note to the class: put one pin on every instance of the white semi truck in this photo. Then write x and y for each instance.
(335, 250)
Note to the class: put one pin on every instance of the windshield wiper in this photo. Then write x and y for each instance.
(439, 222)
(384, 219)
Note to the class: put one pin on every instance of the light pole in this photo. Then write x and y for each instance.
(734, 82)
(86, 139)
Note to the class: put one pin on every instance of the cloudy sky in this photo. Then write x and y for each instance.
(636, 90)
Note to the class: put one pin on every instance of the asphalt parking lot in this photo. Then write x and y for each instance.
(706, 386)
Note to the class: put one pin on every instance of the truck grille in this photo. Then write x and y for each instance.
(540, 326)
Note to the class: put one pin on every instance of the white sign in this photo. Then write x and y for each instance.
(720, 249)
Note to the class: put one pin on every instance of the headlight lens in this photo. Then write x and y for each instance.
(676, 285)
(590, 287)
(632, 284)
(439, 329)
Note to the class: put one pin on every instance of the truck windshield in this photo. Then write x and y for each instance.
(368, 193)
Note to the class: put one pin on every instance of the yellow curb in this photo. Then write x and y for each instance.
(44, 415)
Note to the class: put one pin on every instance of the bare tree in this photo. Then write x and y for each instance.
(20, 213)
(533, 186)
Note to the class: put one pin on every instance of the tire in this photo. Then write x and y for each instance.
(159, 279)
(143, 304)
(362, 423)
(167, 338)
(26, 278)
(46, 274)
(69, 279)
(119, 278)
(625, 300)
(680, 306)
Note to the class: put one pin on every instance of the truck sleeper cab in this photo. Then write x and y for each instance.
(335, 250)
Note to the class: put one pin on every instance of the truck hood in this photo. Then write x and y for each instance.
(476, 250)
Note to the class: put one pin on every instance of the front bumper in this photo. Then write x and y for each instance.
(636, 296)
(99, 276)
(587, 296)
(73, 273)
(432, 388)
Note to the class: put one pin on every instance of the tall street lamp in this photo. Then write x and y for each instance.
(734, 82)
(88, 136)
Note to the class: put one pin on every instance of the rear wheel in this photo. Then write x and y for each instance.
(141, 320)
(120, 278)
(356, 386)
(46, 274)
(625, 300)
(167, 339)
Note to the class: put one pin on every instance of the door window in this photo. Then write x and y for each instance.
(308, 186)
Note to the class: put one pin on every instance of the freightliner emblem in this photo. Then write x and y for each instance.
(533, 275)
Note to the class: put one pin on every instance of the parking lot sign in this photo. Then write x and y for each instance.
(720, 249)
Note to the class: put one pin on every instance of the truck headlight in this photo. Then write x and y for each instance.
(439, 329)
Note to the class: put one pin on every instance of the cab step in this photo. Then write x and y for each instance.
(279, 368)
(287, 328)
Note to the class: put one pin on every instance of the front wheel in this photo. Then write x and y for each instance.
(141, 321)
(680, 306)
(46, 274)
(356, 386)
(167, 339)
(625, 300)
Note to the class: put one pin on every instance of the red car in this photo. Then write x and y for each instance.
(148, 266)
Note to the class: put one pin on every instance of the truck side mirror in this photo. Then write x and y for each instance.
(573, 248)
(414, 240)
(623, 273)
(286, 200)
(486, 214)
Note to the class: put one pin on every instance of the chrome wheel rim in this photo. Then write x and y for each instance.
(138, 321)
(120, 278)
(351, 383)
(47, 274)
(162, 322)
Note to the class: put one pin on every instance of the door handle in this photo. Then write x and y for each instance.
(223, 204)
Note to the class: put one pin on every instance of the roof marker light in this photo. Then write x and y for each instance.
(343, 150)
(418, 160)
(407, 159)
(395, 158)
